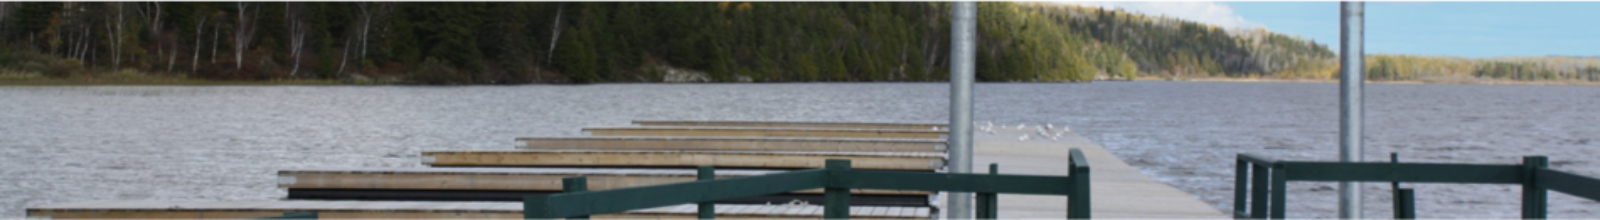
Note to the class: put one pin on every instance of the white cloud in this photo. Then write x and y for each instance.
(1200, 11)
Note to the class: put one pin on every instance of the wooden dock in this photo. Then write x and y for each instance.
(612, 160)
(763, 132)
(1117, 189)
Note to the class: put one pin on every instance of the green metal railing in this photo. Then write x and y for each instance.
(292, 215)
(1265, 180)
(836, 179)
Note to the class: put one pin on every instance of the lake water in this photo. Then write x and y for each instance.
(72, 144)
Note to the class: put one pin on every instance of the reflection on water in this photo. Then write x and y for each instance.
(69, 144)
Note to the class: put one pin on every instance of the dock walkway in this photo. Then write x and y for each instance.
(1118, 189)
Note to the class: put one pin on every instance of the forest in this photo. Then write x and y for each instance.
(596, 42)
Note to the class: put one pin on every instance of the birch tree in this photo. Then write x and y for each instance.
(244, 32)
(555, 33)
(297, 35)
(5, 10)
(370, 12)
(150, 13)
(199, 32)
(115, 32)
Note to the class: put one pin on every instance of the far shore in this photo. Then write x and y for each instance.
(1453, 81)
(174, 81)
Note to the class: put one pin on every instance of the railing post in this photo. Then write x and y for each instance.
(535, 207)
(1078, 201)
(1405, 204)
(575, 184)
(1241, 183)
(1405, 201)
(1533, 192)
(1258, 191)
(988, 206)
(837, 199)
(1280, 190)
(708, 210)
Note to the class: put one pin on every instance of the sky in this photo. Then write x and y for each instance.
(1463, 29)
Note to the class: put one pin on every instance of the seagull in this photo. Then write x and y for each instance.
(1051, 126)
(1023, 138)
(1022, 126)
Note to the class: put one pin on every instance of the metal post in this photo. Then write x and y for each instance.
(708, 210)
(962, 29)
(1351, 70)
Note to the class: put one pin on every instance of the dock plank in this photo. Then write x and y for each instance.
(506, 179)
(1118, 190)
(763, 132)
(916, 161)
(736, 143)
(797, 124)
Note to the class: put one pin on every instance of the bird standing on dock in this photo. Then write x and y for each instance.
(1023, 138)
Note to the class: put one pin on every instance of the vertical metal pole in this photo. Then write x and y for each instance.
(962, 29)
(1351, 70)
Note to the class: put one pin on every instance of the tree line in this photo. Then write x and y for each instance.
(588, 42)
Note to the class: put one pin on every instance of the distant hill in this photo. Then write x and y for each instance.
(585, 42)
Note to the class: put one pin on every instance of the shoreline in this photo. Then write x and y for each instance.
(202, 82)
(1419, 82)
